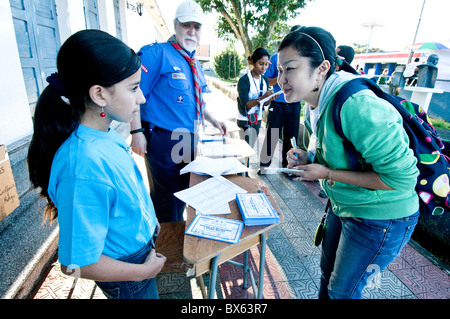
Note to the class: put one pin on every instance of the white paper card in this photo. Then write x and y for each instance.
(216, 228)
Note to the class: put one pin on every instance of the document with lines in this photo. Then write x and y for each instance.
(210, 196)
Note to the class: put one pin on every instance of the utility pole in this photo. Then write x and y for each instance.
(417, 30)
(370, 25)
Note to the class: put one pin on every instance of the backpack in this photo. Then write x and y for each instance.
(432, 153)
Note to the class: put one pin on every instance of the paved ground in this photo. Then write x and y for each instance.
(292, 261)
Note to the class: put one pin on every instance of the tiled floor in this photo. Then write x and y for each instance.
(292, 261)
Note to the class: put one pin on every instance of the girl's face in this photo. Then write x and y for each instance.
(123, 99)
(261, 65)
(295, 76)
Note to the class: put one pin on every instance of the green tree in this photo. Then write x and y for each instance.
(227, 64)
(361, 48)
(240, 17)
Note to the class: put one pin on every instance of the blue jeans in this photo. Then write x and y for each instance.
(354, 250)
(144, 289)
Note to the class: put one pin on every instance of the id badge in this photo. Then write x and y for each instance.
(312, 147)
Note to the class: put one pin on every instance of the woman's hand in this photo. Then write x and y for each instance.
(312, 172)
(296, 157)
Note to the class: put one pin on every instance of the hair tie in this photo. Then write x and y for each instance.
(56, 83)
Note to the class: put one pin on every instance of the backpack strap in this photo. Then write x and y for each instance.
(348, 89)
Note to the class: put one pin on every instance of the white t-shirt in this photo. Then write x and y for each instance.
(253, 94)
(409, 70)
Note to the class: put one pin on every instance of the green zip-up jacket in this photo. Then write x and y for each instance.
(375, 129)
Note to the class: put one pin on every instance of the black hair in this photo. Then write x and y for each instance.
(87, 58)
(347, 52)
(314, 43)
(258, 54)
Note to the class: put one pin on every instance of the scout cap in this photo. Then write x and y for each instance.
(189, 11)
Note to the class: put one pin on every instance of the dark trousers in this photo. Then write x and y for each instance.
(283, 120)
(167, 153)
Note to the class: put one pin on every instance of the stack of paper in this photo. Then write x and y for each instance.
(214, 166)
(256, 209)
(211, 196)
(218, 149)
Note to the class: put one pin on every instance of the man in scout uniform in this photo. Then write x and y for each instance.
(173, 84)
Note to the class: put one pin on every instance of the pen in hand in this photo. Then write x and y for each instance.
(294, 145)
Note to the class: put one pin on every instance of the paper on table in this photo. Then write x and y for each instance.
(210, 196)
(214, 166)
(216, 228)
(218, 149)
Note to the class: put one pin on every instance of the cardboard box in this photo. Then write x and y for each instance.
(9, 200)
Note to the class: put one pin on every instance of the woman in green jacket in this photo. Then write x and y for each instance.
(373, 212)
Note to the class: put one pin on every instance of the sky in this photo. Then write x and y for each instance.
(398, 20)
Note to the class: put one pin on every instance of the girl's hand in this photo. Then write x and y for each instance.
(154, 263)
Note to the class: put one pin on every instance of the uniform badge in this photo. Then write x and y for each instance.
(180, 99)
(178, 76)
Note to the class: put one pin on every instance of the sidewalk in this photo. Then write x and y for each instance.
(292, 261)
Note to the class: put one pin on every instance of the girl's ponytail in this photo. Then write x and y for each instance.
(54, 120)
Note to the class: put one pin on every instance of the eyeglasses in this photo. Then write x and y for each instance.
(339, 60)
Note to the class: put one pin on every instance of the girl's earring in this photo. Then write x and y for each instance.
(102, 113)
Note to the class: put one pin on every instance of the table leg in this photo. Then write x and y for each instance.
(244, 284)
(201, 283)
(262, 265)
(213, 276)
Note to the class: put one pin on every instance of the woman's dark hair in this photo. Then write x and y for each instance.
(258, 54)
(87, 58)
(314, 43)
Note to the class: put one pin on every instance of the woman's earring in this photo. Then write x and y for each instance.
(317, 88)
(102, 113)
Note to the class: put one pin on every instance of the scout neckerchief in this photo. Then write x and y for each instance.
(197, 89)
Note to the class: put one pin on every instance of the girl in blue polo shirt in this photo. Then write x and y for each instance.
(107, 223)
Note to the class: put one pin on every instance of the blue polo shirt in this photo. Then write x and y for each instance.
(272, 72)
(103, 204)
(168, 87)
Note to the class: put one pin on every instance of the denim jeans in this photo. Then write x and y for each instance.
(144, 289)
(354, 250)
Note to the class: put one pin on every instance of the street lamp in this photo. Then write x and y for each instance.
(370, 25)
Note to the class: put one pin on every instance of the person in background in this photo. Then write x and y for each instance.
(411, 71)
(165, 130)
(383, 77)
(252, 88)
(373, 211)
(107, 223)
(347, 53)
(283, 120)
